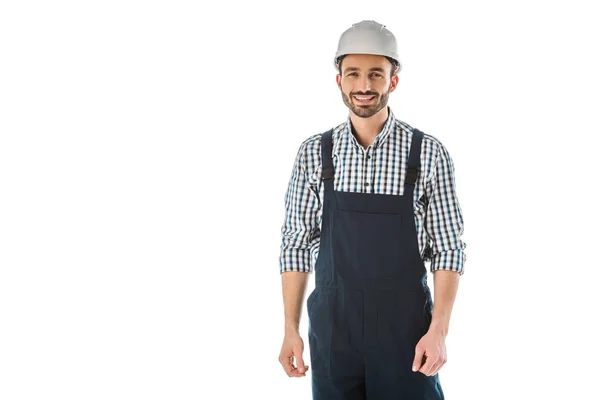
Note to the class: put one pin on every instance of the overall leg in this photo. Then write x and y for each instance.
(336, 346)
(400, 325)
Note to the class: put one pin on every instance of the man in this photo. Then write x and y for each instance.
(369, 202)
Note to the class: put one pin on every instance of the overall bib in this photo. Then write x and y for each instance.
(371, 303)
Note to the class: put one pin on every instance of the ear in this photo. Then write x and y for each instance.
(394, 83)
(338, 79)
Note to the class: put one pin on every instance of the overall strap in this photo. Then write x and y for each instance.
(414, 158)
(326, 159)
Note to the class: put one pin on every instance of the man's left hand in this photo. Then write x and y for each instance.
(433, 347)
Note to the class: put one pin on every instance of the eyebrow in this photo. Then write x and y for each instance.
(377, 69)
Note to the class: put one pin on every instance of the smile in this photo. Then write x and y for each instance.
(364, 99)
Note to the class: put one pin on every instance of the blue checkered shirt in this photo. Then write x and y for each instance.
(380, 168)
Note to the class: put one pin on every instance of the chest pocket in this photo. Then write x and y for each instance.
(368, 245)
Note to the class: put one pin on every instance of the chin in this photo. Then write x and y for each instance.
(364, 112)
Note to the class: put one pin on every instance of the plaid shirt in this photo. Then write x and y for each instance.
(378, 169)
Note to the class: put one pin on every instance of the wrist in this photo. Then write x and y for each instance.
(291, 328)
(439, 327)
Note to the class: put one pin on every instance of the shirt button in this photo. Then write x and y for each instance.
(369, 156)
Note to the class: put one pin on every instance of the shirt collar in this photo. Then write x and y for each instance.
(390, 123)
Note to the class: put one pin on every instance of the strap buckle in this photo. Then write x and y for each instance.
(327, 173)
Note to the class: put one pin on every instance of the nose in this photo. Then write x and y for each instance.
(363, 84)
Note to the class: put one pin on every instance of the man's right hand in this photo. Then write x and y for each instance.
(292, 349)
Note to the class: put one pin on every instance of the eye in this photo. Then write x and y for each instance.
(352, 74)
(375, 74)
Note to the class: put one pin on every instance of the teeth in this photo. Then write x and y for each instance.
(364, 98)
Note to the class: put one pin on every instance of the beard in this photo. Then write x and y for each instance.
(366, 110)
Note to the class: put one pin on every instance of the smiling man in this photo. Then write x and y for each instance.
(368, 202)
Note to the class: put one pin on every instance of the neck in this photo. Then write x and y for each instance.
(366, 129)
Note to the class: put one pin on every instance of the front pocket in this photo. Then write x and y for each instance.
(368, 245)
(320, 323)
(397, 331)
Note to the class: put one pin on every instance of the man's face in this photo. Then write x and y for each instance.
(365, 83)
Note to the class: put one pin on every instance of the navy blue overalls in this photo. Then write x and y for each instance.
(371, 303)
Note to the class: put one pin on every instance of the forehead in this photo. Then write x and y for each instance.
(365, 62)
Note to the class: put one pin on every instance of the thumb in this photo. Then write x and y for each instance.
(418, 361)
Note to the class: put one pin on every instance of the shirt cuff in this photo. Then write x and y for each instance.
(298, 260)
(451, 260)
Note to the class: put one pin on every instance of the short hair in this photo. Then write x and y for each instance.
(394, 71)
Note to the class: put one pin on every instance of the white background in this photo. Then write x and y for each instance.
(146, 148)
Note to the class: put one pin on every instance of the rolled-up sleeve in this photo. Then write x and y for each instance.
(443, 220)
(300, 231)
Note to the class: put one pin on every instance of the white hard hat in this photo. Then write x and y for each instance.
(368, 37)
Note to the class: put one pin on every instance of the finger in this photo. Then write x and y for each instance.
(418, 360)
(286, 363)
(435, 368)
(295, 371)
(429, 362)
(300, 361)
(439, 366)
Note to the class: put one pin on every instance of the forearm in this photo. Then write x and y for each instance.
(445, 288)
(293, 287)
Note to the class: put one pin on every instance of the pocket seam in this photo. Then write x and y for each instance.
(369, 212)
(310, 301)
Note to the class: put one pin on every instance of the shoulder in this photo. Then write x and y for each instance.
(430, 142)
(309, 152)
(311, 146)
(432, 148)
